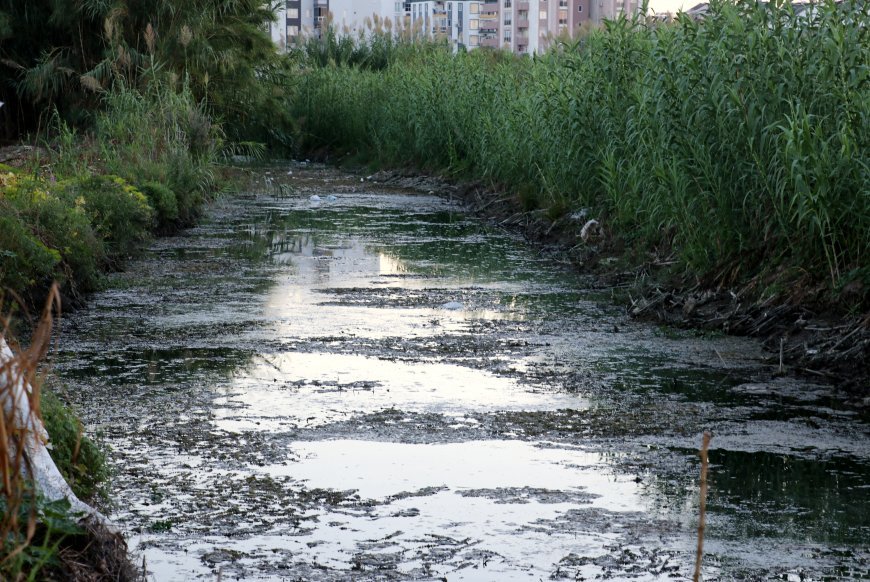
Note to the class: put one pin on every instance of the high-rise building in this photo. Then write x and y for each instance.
(300, 18)
(528, 26)
(521, 26)
(601, 10)
(457, 21)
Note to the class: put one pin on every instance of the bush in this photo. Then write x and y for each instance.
(160, 137)
(118, 212)
(24, 260)
(58, 228)
(163, 201)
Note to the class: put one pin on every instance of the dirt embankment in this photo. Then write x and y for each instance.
(803, 337)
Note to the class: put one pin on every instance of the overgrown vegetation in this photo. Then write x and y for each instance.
(133, 105)
(737, 147)
(65, 55)
(138, 102)
(146, 166)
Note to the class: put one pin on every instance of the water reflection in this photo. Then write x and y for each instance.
(315, 354)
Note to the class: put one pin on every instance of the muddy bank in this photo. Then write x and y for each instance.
(805, 337)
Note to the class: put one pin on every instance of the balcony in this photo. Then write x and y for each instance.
(489, 7)
(490, 42)
(522, 6)
(522, 22)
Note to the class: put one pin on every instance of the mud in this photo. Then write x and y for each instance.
(382, 387)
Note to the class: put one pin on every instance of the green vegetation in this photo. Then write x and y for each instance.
(137, 102)
(78, 457)
(738, 146)
(133, 105)
(65, 55)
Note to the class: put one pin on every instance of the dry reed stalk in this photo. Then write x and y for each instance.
(705, 444)
(20, 422)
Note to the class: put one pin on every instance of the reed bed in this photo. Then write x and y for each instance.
(737, 146)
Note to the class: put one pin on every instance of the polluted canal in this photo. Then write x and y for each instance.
(377, 386)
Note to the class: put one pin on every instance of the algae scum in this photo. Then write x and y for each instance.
(380, 387)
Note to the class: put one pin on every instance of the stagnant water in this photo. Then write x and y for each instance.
(380, 387)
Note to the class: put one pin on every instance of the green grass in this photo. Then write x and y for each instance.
(77, 456)
(740, 144)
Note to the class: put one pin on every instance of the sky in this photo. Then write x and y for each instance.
(672, 5)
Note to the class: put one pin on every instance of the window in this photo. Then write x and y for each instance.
(563, 3)
(507, 3)
(507, 36)
(543, 15)
(473, 40)
(579, 9)
(292, 31)
(474, 8)
(292, 13)
(507, 20)
(473, 24)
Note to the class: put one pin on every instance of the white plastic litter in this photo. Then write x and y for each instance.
(453, 306)
(14, 389)
(331, 198)
(315, 199)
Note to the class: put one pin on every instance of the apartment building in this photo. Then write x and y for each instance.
(601, 10)
(459, 22)
(521, 26)
(529, 26)
(298, 18)
(429, 18)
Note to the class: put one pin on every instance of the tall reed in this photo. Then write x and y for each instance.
(741, 143)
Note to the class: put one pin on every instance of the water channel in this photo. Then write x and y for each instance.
(378, 386)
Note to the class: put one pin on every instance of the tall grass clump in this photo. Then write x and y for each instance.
(738, 146)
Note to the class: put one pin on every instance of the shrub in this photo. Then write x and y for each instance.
(163, 201)
(61, 228)
(24, 260)
(118, 212)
